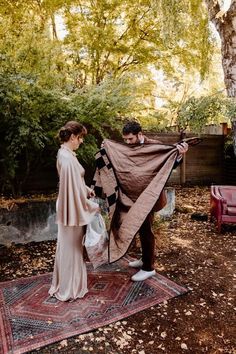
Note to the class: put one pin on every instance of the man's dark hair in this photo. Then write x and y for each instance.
(132, 127)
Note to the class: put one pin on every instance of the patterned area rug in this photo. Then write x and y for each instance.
(30, 319)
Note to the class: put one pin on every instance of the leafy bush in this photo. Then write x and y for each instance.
(195, 113)
(30, 117)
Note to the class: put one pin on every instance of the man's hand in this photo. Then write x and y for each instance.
(182, 148)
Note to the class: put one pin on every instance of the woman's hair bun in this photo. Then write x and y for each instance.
(71, 127)
(64, 134)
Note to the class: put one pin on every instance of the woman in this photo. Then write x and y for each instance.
(74, 211)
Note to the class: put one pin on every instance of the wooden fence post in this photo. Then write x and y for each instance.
(183, 170)
(183, 164)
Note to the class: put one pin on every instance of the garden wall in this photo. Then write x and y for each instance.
(26, 221)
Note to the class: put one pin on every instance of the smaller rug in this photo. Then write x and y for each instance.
(30, 319)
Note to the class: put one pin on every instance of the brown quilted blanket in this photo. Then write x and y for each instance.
(132, 178)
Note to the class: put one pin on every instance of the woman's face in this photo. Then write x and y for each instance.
(76, 141)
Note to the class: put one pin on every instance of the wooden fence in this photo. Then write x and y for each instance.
(230, 171)
(204, 163)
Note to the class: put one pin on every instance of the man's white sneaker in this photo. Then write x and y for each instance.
(143, 275)
(138, 263)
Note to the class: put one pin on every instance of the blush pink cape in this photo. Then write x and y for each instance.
(73, 206)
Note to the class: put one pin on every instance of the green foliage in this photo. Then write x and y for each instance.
(101, 108)
(98, 73)
(102, 38)
(30, 117)
(105, 37)
(21, 129)
(154, 122)
(195, 113)
(104, 104)
(231, 108)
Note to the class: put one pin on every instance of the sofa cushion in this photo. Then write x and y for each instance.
(231, 211)
(229, 194)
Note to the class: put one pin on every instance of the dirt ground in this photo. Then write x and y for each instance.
(189, 252)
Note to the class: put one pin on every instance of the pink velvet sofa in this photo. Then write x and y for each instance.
(223, 205)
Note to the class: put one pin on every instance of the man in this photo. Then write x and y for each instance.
(131, 177)
(133, 135)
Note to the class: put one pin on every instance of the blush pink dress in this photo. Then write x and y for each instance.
(74, 211)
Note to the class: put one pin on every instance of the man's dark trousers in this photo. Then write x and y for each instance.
(147, 239)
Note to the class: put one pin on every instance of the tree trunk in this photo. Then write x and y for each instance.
(234, 134)
(54, 27)
(225, 24)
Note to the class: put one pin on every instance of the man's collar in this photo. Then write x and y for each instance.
(141, 141)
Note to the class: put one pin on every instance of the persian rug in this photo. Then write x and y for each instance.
(30, 319)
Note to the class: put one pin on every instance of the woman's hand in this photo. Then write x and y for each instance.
(91, 193)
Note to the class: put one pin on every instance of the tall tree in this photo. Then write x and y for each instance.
(113, 37)
(225, 23)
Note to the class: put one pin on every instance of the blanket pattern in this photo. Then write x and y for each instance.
(104, 182)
